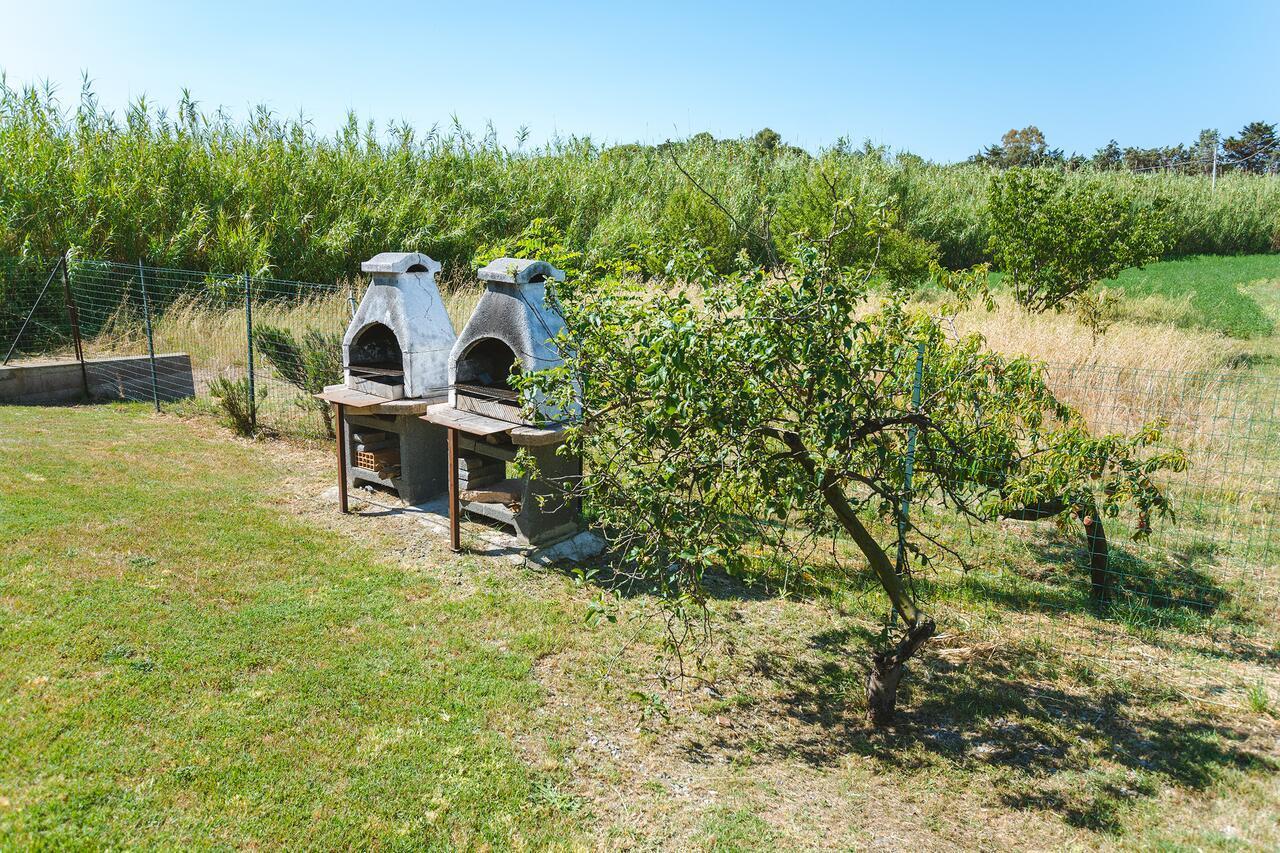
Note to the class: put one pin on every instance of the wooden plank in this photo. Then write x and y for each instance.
(347, 397)
(455, 511)
(360, 403)
(468, 422)
(528, 436)
(340, 421)
(497, 451)
(405, 407)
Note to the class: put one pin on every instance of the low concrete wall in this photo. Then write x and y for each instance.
(122, 378)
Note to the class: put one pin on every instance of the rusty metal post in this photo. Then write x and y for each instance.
(340, 420)
(455, 532)
(74, 315)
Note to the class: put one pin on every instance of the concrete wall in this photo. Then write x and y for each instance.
(123, 378)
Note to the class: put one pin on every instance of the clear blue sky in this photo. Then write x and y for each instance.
(940, 79)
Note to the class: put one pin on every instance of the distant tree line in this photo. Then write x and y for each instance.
(1255, 149)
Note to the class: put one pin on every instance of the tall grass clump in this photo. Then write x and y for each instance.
(190, 189)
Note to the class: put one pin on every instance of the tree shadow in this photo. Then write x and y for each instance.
(1083, 752)
(609, 572)
(1181, 585)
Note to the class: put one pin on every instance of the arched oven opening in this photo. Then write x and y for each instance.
(376, 363)
(483, 380)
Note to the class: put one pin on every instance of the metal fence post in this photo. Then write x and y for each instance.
(904, 512)
(248, 332)
(74, 315)
(151, 342)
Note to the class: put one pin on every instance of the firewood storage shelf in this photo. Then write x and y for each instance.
(410, 462)
(535, 508)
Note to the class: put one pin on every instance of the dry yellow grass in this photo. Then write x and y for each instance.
(1061, 340)
(1199, 386)
(1132, 374)
(212, 331)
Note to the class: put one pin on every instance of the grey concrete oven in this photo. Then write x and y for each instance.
(399, 340)
(512, 330)
(397, 350)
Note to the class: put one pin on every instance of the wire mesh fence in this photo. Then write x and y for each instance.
(240, 346)
(245, 347)
(1195, 602)
(1221, 544)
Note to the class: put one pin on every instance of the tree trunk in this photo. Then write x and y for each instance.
(327, 417)
(1095, 534)
(1099, 559)
(887, 668)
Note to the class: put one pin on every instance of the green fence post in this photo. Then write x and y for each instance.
(248, 332)
(151, 343)
(904, 511)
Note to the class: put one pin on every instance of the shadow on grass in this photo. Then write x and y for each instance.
(1179, 592)
(1038, 741)
(613, 576)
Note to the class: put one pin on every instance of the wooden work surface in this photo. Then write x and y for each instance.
(360, 403)
(476, 424)
(468, 422)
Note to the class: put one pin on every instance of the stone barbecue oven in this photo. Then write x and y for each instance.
(427, 413)
(395, 360)
(511, 330)
(398, 343)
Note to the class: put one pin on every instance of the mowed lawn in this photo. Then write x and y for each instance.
(1216, 293)
(196, 650)
(182, 663)
(1210, 291)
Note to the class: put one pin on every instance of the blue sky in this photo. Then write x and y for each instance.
(940, 79)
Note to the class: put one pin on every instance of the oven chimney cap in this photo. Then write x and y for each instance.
(519, 271)
(396, 263)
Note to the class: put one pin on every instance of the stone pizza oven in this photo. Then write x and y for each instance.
(397, 345)
(395, 361)
(511, 330)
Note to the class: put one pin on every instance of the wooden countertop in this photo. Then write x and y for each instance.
(476, 424)
(360, 403)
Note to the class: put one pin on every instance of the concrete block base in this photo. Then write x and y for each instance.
(577, 545)
(41, 383)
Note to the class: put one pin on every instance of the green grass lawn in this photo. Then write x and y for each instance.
(181, 663)
(1210, 291)
(197, 653)
(1213, 292)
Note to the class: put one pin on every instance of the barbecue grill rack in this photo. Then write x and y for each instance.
(375, 370)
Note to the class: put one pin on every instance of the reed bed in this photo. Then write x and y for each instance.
(269, 196)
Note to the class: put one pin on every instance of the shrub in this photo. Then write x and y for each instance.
(308, 363)
(1055, 238)
(233, 399)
